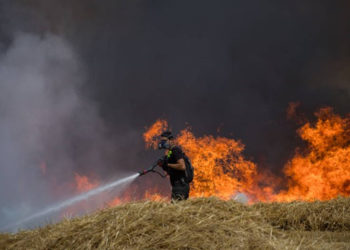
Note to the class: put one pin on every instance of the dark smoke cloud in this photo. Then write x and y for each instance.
(231, 64)
(48, 130)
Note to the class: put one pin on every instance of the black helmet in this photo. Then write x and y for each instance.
(167, 134)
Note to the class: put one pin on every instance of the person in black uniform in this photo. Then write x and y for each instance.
(174, 164)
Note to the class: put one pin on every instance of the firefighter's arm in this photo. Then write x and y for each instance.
(180, 165)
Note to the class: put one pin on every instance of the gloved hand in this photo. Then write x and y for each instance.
(163, 162)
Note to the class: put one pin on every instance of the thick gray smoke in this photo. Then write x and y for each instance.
(48, 130)
(233, 65)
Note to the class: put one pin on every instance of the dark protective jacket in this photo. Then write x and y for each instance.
(173, 156)
(180, 189)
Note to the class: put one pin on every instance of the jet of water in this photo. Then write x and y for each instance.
(75, 199)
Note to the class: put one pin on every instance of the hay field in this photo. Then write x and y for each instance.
(204, 223)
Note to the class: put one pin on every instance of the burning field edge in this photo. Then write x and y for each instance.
(199, 223)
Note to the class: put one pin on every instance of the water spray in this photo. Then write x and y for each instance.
(57, 207)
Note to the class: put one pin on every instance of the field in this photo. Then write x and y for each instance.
(203, 223)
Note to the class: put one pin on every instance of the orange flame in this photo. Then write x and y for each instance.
(150, 136)
(320, 171)
(292, 110)
(220, 168)
(83, 183)
(149, 195)
(323, 171)
(115, 202)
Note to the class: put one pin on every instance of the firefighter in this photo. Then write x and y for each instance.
(174, 163)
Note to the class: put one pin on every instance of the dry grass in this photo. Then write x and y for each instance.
(332, 215)
(205, 223)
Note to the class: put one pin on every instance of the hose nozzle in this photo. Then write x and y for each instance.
(143, 172)
(151, 169)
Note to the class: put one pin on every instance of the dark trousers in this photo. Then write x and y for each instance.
(180, 191)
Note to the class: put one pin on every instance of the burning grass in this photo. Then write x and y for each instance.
(201, 223)
(317, 171)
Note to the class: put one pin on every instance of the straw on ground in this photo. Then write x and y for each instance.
(204, 223)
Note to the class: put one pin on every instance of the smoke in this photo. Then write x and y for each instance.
(110, 68)
(234, 65)
(121, 183)
(241, 198)
(48, 130)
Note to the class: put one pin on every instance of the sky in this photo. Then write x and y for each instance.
(80, 80)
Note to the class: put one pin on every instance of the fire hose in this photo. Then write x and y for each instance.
(152, 170)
